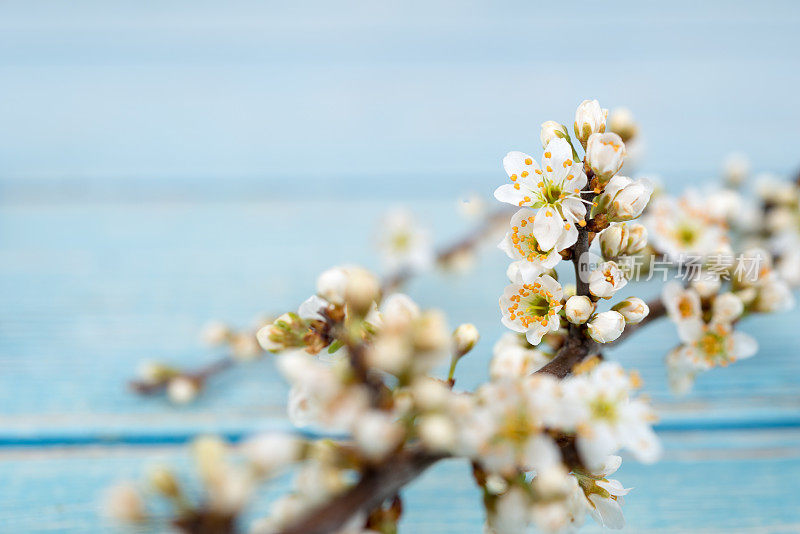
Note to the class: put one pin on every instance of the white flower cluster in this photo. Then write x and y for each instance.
(553, 199)
(526, 423)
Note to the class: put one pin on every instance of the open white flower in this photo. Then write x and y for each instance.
(605, 153)
(532, 308)
(604, 494)
(624, 199)
(606, 418)
(403, 244)
(685, 230)
(606, 280)
(683, 307)
(503, 428)
(715, 344)
(521, 244)
(555, 189)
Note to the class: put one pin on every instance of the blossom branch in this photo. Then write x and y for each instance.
(465, 244)
(376, 485)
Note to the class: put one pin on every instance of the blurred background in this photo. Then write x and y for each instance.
(163, 164)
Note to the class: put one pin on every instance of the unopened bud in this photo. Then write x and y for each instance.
(552, 130)
(163, 481)
(464, 338)
(437, 432)
(614, 241)
(624, 199)
(727, 308)
(124, 503)
(606, 326)
(216, 333)
(637, 239)
(182, 390)
(735, 169)
(621, 122)
(633, 309)
(605, 153)
(362, 290)
(287, 331)
(578, 309)
(590, 119)
(430, 331)
(331, 285)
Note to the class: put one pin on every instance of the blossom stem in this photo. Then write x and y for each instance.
(199, 376)
(376, 485)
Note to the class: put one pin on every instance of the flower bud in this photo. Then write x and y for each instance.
(430, 331)
(614, 241)
(578, 309)
(624, 199)
(272, 451)
(377, 433)
(182, 390)
(362, 290)
(735, 169)
(164, 482)
(637, 239)
(706, 285)
(621, 123)
(590, 119)
(216, 333)
(727, 308)
(552, 130)
(606, 326)
(331, 285)
(287, 331)
(464, 338)
(605, 153)
(124, 503)
(633, 309)
(437, 432)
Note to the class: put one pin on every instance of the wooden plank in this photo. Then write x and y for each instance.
(719, 482)
(89, 290)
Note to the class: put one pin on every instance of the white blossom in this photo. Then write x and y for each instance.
(727, 308)
(403, 244)
(521, 244)
(377, 434)
(606, 280)
(532, 308)
(606, 418)
(554, 189)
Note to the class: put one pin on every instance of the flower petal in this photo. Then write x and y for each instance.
(547, 227)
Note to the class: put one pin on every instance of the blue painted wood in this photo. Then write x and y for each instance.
(719, 482)
(90, 289)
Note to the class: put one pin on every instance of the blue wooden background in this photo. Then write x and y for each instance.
(164, 164)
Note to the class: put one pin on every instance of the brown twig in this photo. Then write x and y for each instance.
(446, 254)
(199, 376)
(376, 485)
